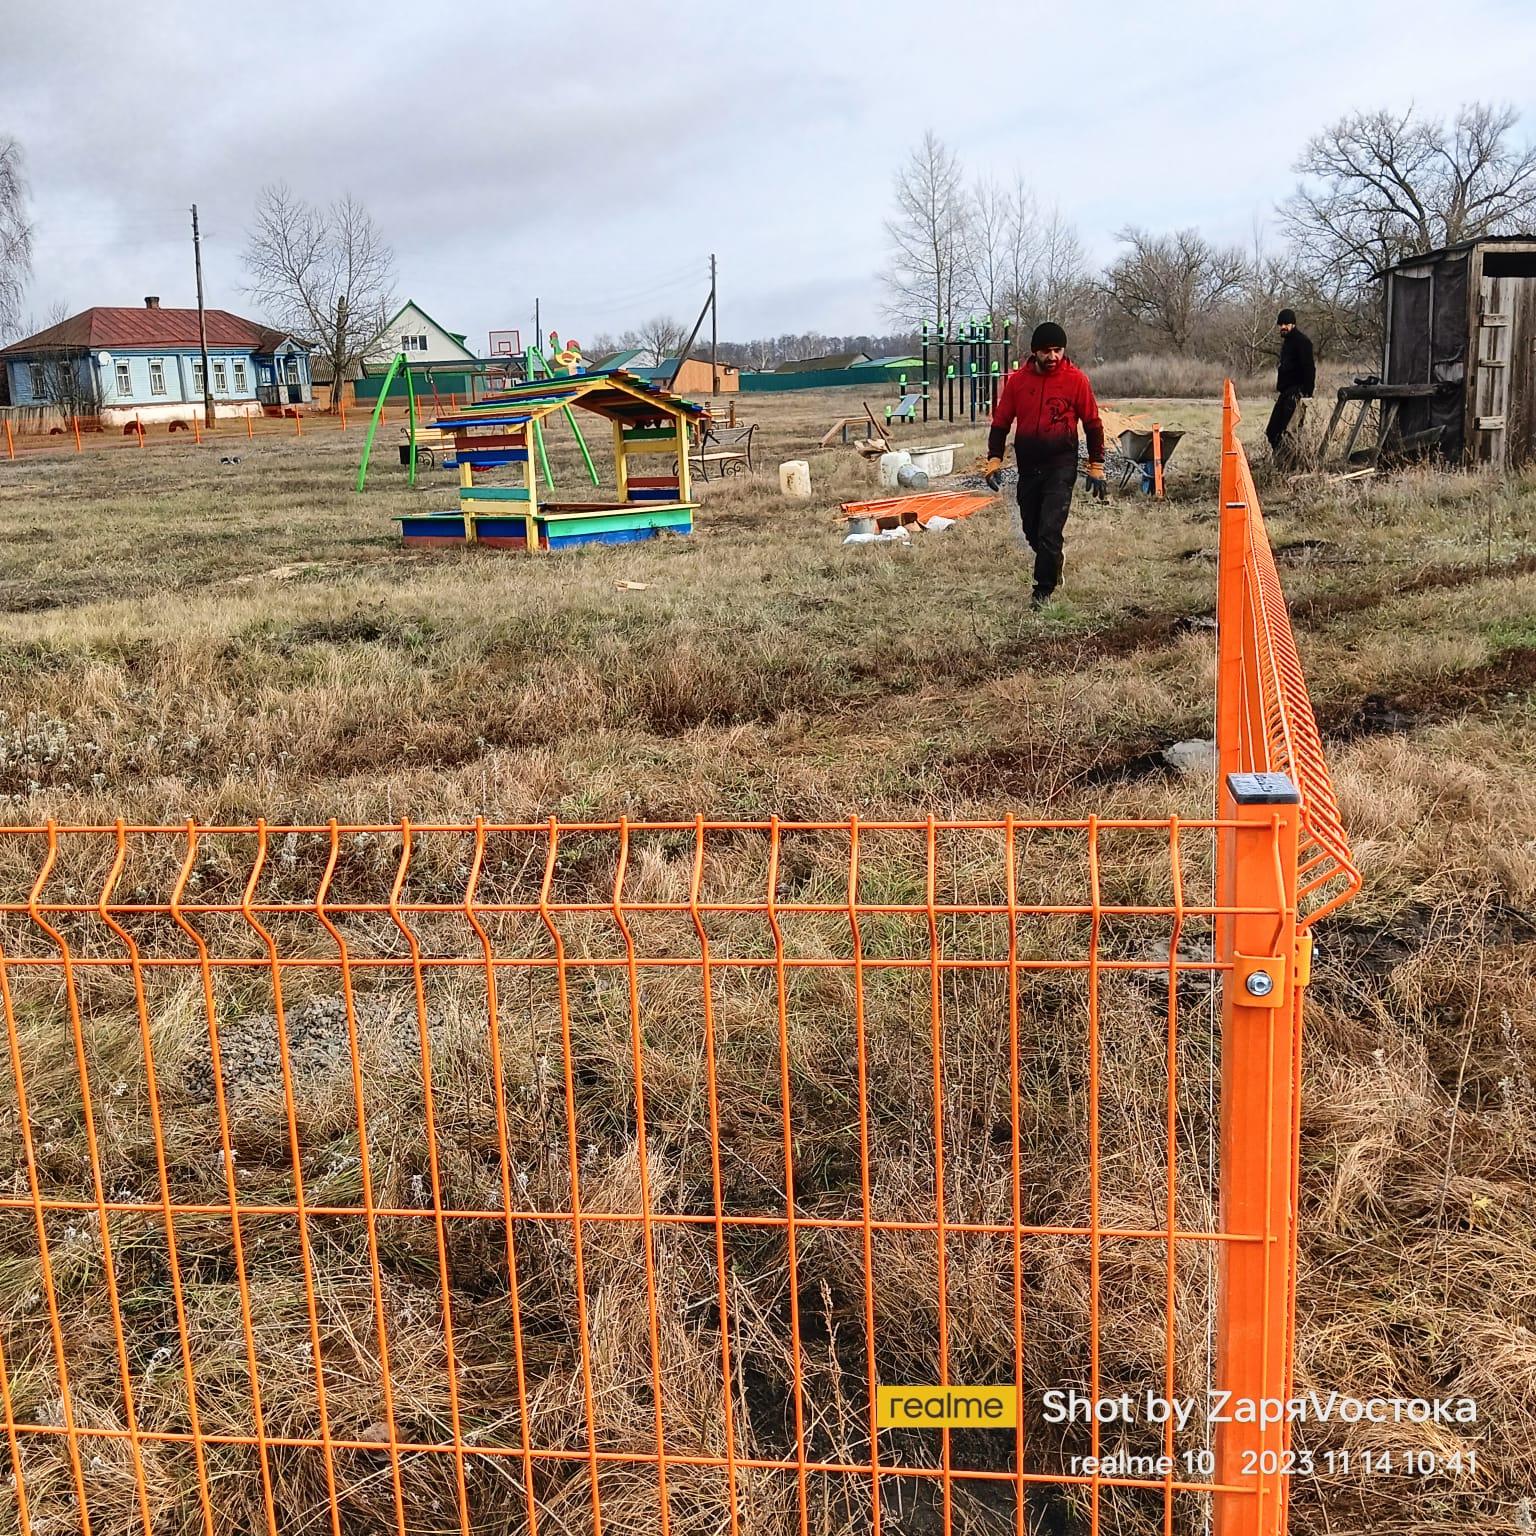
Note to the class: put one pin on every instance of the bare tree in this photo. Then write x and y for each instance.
(1381, 185)
(323, 274)
(997, 217)
(1049, 272)
(659, 338)
(928, 278)
(15, 235)
(1171, 283)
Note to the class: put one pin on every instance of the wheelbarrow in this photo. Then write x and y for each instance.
(1136, 452)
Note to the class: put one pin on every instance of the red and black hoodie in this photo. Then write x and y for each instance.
(1045, 409)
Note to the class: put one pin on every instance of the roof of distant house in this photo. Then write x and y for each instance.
(144, 327)
(817, 364)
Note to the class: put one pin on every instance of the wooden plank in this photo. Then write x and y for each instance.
(662, 517)
(660, 493)
(487, 458)
(653, 482)
(670, 446)
(621, 462)
(494, 493)
(1490, 423)
(648, 434)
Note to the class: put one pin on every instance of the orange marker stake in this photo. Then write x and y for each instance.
(74, 421)
(197, 432)
(10, 447)
(250, 431)
(138, 422)
(298, 427)
(342, 406)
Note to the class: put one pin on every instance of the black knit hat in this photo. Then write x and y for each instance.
(1286, 317)
(1047, 334)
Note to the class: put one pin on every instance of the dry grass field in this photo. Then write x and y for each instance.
(182, 637)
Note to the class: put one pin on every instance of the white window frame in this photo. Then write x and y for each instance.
(38, 378)
(124, 373)
(220, 377)
(240, 376)
(197, 378)
(421, 343)
(157, 367)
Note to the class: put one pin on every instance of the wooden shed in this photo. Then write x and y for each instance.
(1460, 327)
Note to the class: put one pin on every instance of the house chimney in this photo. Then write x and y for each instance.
(151, 302)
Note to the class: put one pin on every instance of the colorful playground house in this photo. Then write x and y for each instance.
(506, 429)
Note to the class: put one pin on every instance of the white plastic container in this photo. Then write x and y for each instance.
(890, 463)
(795, 478)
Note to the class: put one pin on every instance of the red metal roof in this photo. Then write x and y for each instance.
(145, 327)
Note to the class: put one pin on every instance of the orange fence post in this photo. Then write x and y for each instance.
(74, 422)
(342, 406)
(10, 446)
(197, 432)
(250, 431)
(1261, 1000)
(1231, 611)
(138, 422)
(298, 423)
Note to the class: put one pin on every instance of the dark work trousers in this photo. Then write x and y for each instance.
(1045, 498)
(1280, 417)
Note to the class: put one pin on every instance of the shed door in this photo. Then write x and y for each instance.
(1490, 387)
(1520, 400)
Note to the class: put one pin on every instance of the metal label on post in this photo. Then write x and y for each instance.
(1262, 789)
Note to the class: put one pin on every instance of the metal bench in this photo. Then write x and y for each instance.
(728, 449)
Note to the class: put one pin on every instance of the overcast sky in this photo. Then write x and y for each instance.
(594, 153)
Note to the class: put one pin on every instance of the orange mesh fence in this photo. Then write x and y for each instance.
(597, 1177)
(1266, 713)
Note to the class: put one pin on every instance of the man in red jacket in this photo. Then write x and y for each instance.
(1044, 401)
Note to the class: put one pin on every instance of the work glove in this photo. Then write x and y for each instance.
(994, 475)
(1096, 486)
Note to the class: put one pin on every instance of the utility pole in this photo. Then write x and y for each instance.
(202, 322)
(714, 331)
(338, 383)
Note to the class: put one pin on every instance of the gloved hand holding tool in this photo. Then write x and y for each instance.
(1096, 486)
(994, 474)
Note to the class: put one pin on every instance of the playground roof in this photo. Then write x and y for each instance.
(615, 393)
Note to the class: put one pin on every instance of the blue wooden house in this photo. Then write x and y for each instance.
(147, 363)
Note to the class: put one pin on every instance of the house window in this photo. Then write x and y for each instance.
(197, 378)
(407, 343)
(221, 377)
(421, 343)
(39, 382)
(292, 365)
(124, 379)
(157, 375)
(240, 378)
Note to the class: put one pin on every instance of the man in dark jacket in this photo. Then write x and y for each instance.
(1044, 401)
(1295, 379)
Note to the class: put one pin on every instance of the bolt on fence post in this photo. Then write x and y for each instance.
(1257, 943)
